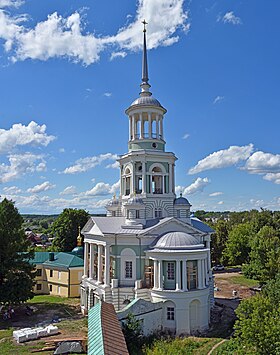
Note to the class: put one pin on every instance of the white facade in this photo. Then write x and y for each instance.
(149, 247)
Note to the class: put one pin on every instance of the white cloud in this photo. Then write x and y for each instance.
(85, 164)
(69, 190)
(261, 163)
(223, 158)
(185, 136)
(60, 36)
(229, 17)
(21, 164)
(115, 165)
(273, 177)
(61, 150)
(11, 3)
(107, 94)
(12, 190)
(102, 188)
(115, 55)
(214, 194)
(45, 186)
(197, 186)
(218, 99)
(20, 135)
(220, 202)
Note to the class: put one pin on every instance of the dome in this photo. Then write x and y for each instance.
(181, 201)
(135, 201)
(176, 240)
(113, 203)
(78, 251)
(146, 100)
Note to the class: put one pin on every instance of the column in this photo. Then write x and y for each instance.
(160, 275)
(199, 274)
(155, 274)
(133, 127)
(99, 264)
(141, 126)
(91, 260)
(157, 128)
(161, 127)
(132, 180)
(170, 177)
(208, 256)
(203, 272)
(107, 265)
(184, 275)
(150, 124)
(173, 178)
(151, 184)
(178, 275)
(144, 177)
(86, 260)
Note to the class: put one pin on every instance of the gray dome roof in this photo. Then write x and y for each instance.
(135, 201)
(146, 100)
(176, 240)
(181, 201)
(113, 202)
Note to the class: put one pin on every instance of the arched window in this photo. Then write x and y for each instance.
(157, 180)
(127, 181)
(128, 267)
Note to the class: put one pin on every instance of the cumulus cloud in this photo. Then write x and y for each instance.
(12, 190)
(229, 17)
(220, 202)
(223, 158)
(60, 36)
(197, 186)
(85, 164)
(260, 163)
(45, 186)
(20, 135)
(21, 164)
(273, 177)
(115, 165)
(10, 3)
(214, 194)
(115, 55)
(102, 188)
(218, 99)
(69, 190)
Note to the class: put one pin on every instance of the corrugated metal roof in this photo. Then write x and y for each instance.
(198, 224)
(40, 257)
(65, 260)
(105, 335)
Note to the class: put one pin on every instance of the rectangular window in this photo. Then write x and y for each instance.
(113, 213)
(170, 271)
(59, 275)
(158, 213)
(192, 274)
(51, 273)
(178, 214)
(39, 272)
(170, 313)
(128, 269)
(137, 214)
(39, 287)
(50, 288)
(58, 290)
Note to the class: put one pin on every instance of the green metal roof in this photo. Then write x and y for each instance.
(64, 260)
(95, 335)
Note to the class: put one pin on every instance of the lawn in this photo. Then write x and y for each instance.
(54, 299)
(243, 281)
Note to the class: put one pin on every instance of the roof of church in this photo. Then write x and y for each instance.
(61, 259)
(177, 240)
(114, 225)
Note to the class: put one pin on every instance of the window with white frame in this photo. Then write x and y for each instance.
(158, 213)
(128, 269)
(59, 275)
(137, 214)
(170, 271)
(170, 313)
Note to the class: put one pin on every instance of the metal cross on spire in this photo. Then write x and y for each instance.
(145, 77)
(144, 23)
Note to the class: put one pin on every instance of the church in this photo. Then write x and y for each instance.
(148, 250)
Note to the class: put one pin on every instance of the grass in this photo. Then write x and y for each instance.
(54, 300)
(182, 346)
(243, 281)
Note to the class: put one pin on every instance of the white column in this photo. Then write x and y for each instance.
(203, 272)
(107, 265)
(206, 273)
(133, 127)
(130, 128)
(160, 275)
(144, 189)
(170, 177)
(99, 264)
(208, 256)
(141, 126)
(150, 124)
(199, 274)
(173, 178)
(132, 180)
(151, 183)
(91, 260)
(178, 275)
(155, 274)
(157, 128)
(161, 127)
(86, 260)
(184, 274)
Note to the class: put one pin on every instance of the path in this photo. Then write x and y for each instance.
(215, 346)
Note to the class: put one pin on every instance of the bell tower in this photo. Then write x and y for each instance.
(147, 170)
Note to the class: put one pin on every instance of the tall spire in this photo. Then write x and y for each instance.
(145, 77)
(145, 86)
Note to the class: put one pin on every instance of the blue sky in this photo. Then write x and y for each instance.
(69, 69)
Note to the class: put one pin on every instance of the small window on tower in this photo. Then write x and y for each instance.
(137, 214)
(170, 313)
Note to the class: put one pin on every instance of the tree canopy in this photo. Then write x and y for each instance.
(65, 229)
(16, 273)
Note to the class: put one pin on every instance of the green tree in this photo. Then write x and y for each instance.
(218, 241)
(264, 263)
(258, 323)
(16, 273)
(65, 228)
(238, 244)
(132, 330)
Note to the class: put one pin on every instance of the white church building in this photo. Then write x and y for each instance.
(148, 248)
